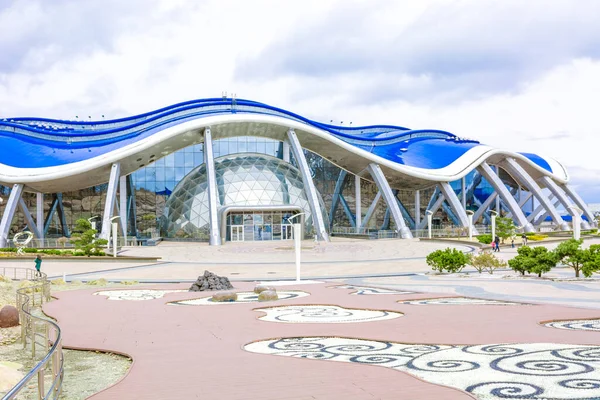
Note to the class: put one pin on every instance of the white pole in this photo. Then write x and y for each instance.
(470, 216)
(429, 218)
(297, 245)
(114, 238)
(493, 225)
(576, 212)
(64, 276)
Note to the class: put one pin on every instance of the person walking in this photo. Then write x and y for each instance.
(524, 237)
(38, 266)
(497, 241)
(512, 242)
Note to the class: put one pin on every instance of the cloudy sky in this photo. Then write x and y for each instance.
(524, 75)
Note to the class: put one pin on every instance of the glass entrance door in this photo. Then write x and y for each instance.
(287, 231)
(237, 233)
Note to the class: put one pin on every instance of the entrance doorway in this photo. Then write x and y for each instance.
(237, 233)
(259, 225)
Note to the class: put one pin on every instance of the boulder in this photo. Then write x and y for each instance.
(268, 295)
(258, 289)
(210, 281)
(224, 296)
(9, 316)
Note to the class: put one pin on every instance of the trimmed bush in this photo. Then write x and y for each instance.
(8, 249)
(486, 261)
(30, 250)
(451, 260)
(536, 260)
(98, 282)
(485, 239)
(537, 237)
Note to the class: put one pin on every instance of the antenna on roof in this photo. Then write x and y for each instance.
(224, 94)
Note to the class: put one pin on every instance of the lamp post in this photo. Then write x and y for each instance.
(576, 212)
(470, 217)
(297, 243)
(494, 214)
(92, 222)
(429, 218)
(114, 234)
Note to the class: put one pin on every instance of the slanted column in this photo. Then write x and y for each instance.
(309, 187)
(371, 210)
(28, 218)
(123, 211)
(581, 204)
(358, 213)
(111, 198)
(455, 205)
(9, 212)
(483, 207)
(417, 208)
(337, 195)
(39, 210)
(521, 175)
(464, 192)
(510, 201)
(390, 199)
(211, 177)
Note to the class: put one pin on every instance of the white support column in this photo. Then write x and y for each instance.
(309, 187)
(286, 151)
(483, 208)
(558, 193)
(29, 219)
(211, 177)
(581, 204)
(540, 208)
(123, 207)
(390, 199)
(455, 205)
(518, 173)
(464, 192)
(417, 208)
(111, 198)
(358, 201)
(510, 201)
(39, 210)
(371, 210)
(9, 212)
(434, 207)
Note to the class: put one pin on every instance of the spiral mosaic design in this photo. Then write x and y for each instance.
(458, 301)
(363, 290)
(324, 314)
(243, 297)
(494, 371)
(136, 295)
(581, 325)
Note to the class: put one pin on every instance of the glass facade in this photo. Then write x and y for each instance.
(153, 185)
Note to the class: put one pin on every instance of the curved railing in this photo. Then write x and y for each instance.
(39, 334)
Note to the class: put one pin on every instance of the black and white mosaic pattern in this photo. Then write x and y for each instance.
(580, 325)
(495, 371)
(363, 290)
(324, 314)
(136, 294)
(454, 301)
(243, 297)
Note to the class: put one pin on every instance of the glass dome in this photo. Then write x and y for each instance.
(243, 180)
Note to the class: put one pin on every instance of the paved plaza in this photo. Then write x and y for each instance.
(423, 336)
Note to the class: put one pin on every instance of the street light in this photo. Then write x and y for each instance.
(429, 218)
(114, 234)
(297, 243)
(470, 217)
(494, 214)
(92, 222)
(576, 212)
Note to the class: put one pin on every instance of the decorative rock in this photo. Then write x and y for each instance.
(261, 288)
(224, 296)
(268, 295)
(9, 316)
(210, 281)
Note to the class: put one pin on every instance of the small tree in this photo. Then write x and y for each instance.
(581, 260)
(84, 238)
(451, 260)
(505, 228)
(533, 259)
(486, 261)
(62, 240)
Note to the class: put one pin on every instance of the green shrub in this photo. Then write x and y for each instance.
(533, 259)
(581, 260)
(486, 261)
(451, 260)
(98, 282)
(84, 238)
(485, 239)
(30, 250)
(8, 249)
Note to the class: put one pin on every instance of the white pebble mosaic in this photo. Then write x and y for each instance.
(451, 301)
(242, 297)
(494, 371)
(364, 290)
(136, 295)
(576, 325)
(315, 314)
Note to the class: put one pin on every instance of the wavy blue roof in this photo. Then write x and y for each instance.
(42, 142)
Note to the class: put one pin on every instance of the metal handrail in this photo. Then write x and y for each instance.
(50, 334)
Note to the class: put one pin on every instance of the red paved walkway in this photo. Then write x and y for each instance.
(188, 352)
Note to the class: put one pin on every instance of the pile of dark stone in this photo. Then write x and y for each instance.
(210, 281)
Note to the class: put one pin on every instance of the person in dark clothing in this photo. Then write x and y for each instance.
(38, 266)
(497, 241)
